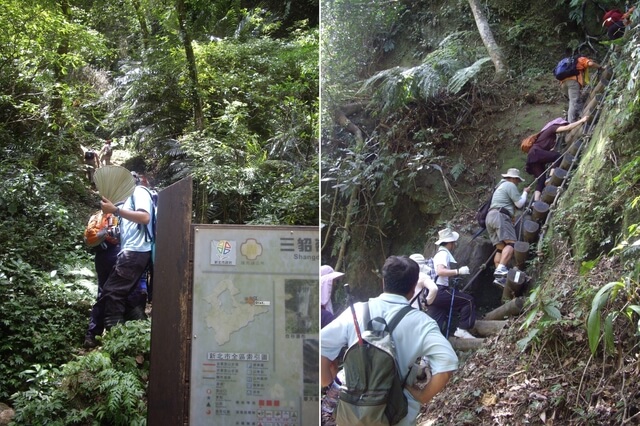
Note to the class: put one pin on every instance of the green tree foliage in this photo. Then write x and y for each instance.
(73, 73)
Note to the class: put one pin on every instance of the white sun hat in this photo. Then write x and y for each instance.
(327, 275)
(447, 236)
(513, 173)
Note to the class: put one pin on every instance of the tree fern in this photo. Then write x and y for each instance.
(462, 76)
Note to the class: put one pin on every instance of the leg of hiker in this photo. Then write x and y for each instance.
(439, 309)
(121, 282)
(465, 305)
(104, 261)
(572, 89)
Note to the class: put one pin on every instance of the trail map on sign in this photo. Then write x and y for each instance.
(229, 311)
(255, 322)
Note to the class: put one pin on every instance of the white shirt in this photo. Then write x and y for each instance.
(443, 257)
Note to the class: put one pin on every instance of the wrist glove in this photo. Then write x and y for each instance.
(464, 270)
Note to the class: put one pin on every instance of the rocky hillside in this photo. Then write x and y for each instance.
(571, 356)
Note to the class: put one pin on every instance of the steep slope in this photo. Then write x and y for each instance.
(569, 359)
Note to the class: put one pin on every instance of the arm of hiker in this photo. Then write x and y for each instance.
(442, 271)
(137, 216)
(435, 385)
(327, 371)
(433, 290)
(573, 125)
(523, 198)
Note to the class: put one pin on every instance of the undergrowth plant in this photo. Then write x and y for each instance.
(104, 387)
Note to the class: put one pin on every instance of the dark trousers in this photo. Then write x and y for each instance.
(136, 300)
(463, 304)
(122, 281)
(104, 261)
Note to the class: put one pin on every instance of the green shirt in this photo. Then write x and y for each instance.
(507, 195)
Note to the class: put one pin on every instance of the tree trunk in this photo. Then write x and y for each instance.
(465, 344)
(144, 28)
(202, 193)
(488, 328)
(487, 38)
(509, 309)
(198, 116)
(342, 119)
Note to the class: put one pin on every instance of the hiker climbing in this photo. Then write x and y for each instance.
(573, 73)
(92, 162)
(426, 289)
(416, 336)
(449, 300)
(540, 150)
(105, 153)
(327, 276)
(616, 22)
(506, 199)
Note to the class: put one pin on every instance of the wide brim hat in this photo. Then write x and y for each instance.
(328, 274)
(418, 258)
(447, 236)
(513, 173)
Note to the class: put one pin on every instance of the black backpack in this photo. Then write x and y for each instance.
(89, 155)
(567, 67)
(372, 394)
(483, 211)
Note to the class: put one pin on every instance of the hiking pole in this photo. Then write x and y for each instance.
(453, 293)
(482, 268)
(353, 313)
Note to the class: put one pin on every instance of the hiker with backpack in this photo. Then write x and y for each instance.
(539, 149)
(416, 336)
(92, 162)
(102, 236)
(105, 153)
(615, 21)
(136, 215)
(573, 74)
(449, 300)
(426, 289)
(500, 221)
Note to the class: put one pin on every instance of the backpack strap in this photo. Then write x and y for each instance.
(366, 316)
(398, 317)
(148, 235)
(389, 326)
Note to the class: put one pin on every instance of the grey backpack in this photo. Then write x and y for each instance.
(372, 393)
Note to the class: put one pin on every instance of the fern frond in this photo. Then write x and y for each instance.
(427, 82)
(462, 76)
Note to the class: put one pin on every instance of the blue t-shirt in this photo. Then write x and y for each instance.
(132, 236)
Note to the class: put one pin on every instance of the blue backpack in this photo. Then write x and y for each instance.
(567, 67)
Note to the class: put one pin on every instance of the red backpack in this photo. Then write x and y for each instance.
(611, 17)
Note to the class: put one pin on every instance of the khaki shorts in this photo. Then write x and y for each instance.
(500, 227)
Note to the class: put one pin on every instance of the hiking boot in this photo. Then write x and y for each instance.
(500, 282)
(90, 342)
(501, 271)
(463, 334)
